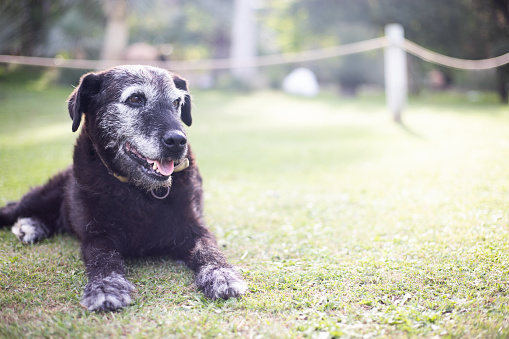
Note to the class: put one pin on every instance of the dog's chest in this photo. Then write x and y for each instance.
(140, 223)
(152, 225)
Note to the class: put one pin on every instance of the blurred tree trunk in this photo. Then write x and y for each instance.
(243, 48)
(502, 8)
(116, 36)
(38, 14)
(503, 83)
(26, 24)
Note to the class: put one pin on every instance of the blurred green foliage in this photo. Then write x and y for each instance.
(200, 29)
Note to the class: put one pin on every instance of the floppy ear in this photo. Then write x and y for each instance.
(81, 98)
(185, 111)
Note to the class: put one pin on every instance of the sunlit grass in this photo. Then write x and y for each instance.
(343, 223)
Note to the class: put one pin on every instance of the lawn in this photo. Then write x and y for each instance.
(343, 223)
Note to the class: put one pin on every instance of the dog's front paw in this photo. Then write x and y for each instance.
(29, 230)
(220, 282)
(107, 294)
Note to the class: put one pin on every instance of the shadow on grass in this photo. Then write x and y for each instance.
(409, 130)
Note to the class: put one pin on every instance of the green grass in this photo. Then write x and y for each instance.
(343, 223)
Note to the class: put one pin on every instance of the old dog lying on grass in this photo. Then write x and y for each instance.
(134, 188)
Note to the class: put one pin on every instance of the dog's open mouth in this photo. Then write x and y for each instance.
(159, 168)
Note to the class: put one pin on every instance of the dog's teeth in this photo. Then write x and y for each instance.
(155, 166)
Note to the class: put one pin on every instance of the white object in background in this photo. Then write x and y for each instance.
(301, 81)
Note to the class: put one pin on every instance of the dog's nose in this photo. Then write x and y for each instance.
(175, 140)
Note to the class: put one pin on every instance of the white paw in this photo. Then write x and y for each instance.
(107, 294)
(220, 282)
(29, 230)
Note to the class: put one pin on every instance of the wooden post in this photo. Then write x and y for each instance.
(396, 86)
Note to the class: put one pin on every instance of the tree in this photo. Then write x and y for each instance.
(24, 24)
(309, 24)
(197, 29)
(48, 27)
(495, 16)
(116, 36)
(243, 46)
(469, 29)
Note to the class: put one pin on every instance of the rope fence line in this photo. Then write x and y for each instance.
(268, 60)
(206, 64)
(395, 60)
(439, 59)
(323, 53)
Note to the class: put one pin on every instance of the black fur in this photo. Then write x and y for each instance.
(114, 219)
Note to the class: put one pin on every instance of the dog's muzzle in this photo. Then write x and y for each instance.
(161, 168)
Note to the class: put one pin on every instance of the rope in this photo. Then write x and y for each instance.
(443, 60)
(267, 60)
(206, 64)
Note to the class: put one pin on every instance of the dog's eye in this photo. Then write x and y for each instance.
(176, 103)
(135, 99)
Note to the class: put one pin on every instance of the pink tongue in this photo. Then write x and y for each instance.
(165, 168)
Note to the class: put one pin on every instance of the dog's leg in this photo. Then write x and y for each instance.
(37, 215)
(214, 276)
(107, 287)
(8, 214)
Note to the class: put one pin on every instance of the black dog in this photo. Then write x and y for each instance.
(134, 188)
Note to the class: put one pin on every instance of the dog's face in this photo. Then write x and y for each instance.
(133, 115)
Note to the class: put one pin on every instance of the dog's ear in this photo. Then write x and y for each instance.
(81, 98)
(185, 111)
